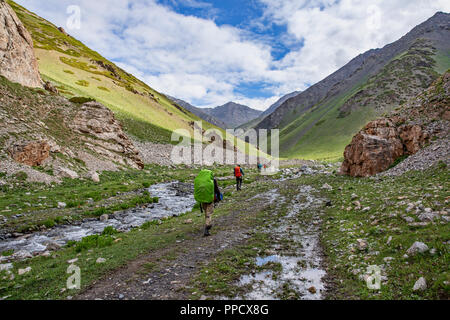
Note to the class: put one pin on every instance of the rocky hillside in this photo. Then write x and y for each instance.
(76, 70)
(233, 114)
(199, 112)
(385, 142)
(253, 123)
(320, 121)
(45, 137)
(17, 60)
(280, 101)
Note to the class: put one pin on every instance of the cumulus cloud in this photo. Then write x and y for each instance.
(195, 59)
(335, 31)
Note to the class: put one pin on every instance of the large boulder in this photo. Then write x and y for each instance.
(32, 153)
(405, 132)
(376, 147)
(104, 135)
(17, 60)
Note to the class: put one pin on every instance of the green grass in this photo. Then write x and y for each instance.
(442, 61)
(85, 198)
(82, 83)
(322, 132)
(49, 274)
(387, 199)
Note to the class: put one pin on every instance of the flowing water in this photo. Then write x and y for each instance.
(301, 268)
(174, 199)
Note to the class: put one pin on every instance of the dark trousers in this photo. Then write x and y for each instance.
(238, 183)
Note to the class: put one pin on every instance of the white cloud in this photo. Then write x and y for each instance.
(196, 60)
(334, 32)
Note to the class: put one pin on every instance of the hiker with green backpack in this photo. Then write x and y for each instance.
(206, 193)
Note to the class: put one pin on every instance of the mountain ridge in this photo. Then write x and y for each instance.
(233, 114)
(300, 118)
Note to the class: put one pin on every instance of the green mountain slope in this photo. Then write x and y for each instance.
(320, 122)
(77, 70)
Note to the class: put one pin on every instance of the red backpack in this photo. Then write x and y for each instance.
(237, 172)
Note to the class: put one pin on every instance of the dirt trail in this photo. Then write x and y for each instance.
(165, 273)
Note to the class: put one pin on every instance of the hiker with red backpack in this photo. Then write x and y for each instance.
(207, 193)
(238, 173)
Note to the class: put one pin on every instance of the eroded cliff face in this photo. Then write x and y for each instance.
(17, 60)
(104, 135)
(375, 148)
(409, 128)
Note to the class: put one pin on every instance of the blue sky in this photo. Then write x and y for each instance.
(251, 52)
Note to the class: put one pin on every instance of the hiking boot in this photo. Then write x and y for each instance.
(207, 234)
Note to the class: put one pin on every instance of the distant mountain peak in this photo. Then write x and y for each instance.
(233, 114)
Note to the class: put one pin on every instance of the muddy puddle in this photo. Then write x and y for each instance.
(174, 199)
(301, 265)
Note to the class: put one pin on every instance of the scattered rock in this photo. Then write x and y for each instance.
(427, 216)
(24, 271)
(389, 240)
(188, 221)
(61, 29)
(22, 255)
(410, 207)
(66, 173)
(100, 260)
(62, 205)
(312, 290)
(362, 244)
(72, 261)
(6, 266)
(420, 284)
(53, 246)
(326, 186)
(104, 217)
(417, 247)
(95, 177)
(50, 87)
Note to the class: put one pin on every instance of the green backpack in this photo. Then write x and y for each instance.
(204, 187)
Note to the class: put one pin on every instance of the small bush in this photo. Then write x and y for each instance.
(109, 231)
(320, 122)
(81, 100)
(103, 88)
(7, 253)
(21, 176)
(98, 212)
(148, 224)
(89, 242)
(49, 223)
(82, 83)
(146, 184)
(398, 160)
(59, 220)
(74, 204)
(442, 165)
